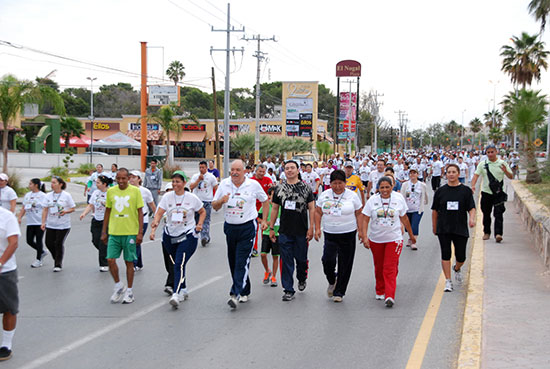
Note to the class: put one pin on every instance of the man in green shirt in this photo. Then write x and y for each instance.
(498, 168)
(124, 218)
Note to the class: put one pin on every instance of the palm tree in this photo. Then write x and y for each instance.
(166, 118)
(175, 71)
(453, 129)
(540, 10)
(243, 143)
(526, 112)
(14, 94)
(495, 135)
(524, 60)
(475, 127)
(493, 119)
(70, 127)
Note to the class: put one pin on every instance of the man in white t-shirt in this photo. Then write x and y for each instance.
(237, 195)
(374, 176)
(8, 197)
(437, 168)
(203, 184)
(463, 167)
(9, 295)
(311, 178)
(269, 163)
(364, 171)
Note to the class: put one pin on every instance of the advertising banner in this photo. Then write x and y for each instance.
(306, 124)
(150, 127)
(163, 95)
(348, 68)
(344, 111)
(294, 107)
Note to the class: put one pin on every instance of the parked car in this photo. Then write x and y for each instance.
(99, 153)
(306, 158)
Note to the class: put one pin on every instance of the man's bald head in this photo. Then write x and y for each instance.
(237, 171)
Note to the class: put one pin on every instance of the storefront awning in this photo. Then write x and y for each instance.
(192, 136)
(100, 134)
(83, 141)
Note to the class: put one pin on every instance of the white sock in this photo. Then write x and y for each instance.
(7, 337)
(129, 290)
(118, 285)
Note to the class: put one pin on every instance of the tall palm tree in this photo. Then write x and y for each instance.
(175, 71)
(540, 10)
(166, 118)
(524, 60)
(14, 94)
(526, 112)
(493, 119)
(70, 127)
(495, 135)
(475, 127)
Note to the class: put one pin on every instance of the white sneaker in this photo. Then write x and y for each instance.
(389, 302)
(36, 264)
(330, 290)
(458, 275)
(103, 269)
(243, 299)
(128, 297)
(337, 298)
(232, 302)
(380, 297)
(57, 269)
(448, 286)
(413, 247)
(175, 300)
(183, 294)
(118, 294)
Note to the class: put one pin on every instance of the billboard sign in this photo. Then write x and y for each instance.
(348, 68)
(163, 95)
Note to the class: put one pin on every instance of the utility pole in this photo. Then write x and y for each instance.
(143, 107)
(226, 102)
(260, 56)
(216, 128)
(375, 108)
(401, 121)
(91, 79)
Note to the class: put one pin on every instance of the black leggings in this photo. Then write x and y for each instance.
(55, 240)
(436, 182)
(96, 228)
(460, 243)
(34, 238)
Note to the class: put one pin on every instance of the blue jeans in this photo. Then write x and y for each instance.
(205, 232)
(240, 242)
(180, 253)
(414, 219)
(293, 248)
(138, 262)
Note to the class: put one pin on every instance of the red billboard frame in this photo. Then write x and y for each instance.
(348, 68)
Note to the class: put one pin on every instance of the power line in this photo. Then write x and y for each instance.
(188, 12)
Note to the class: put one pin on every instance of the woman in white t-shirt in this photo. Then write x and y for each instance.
(33, 204)
(180, 234)
(135, 179)
(8, 197)
(416, 196)
(339, 210)
(384, 212)
(96, 204)
(56, 220)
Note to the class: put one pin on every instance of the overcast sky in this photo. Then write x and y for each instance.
(431, 58)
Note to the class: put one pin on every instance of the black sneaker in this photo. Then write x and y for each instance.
(254, 253)
(204, 242)
(288, 296)
(302, 286)
(5, 354)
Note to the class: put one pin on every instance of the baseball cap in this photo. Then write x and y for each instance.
(491, 146)
(168, 186)
(136, 173)
(348, 164)
(4, 177)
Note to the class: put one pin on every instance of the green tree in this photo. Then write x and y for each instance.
(526, 112)
(70, 127)
(14, 94)
(243, 144)
(495, 135)
(475, 126)
(493, 119)
(77, 101)
(114, 100)
(175, 71)
(524, 60)
(540, 10)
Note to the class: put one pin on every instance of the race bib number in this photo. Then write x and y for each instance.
(335, 211)
(452, 205)
(177, 217)
(290, 205)
(28, 206)
(153, 178)
(53, 210)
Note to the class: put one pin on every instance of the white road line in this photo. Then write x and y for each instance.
(101, 332)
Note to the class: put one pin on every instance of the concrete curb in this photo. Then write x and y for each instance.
(470, 346)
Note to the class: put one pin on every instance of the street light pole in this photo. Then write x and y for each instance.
(462, 135)
(91, 116)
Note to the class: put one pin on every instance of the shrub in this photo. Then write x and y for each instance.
(14, 182)
(86, 168)
(168, 170)
(62, 172)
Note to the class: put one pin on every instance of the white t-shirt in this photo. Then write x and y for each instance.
(413, 195)
(98, 199)
(436, 167)
(374, 176)
(56, 203)
(339, 211)
(385, 225)
(463, 167)
(205, 189)
(403, 175)
(147, 199)
(311, 180)
(180, 212)
(270, 165)
(7, 194)
(364, 172)
(420, 168)
(319, 171)
(241, 206)
(8, 227)
(326, 179)
(33, 203)
(272, 177)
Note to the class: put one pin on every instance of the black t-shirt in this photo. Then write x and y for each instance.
(293, 200)
(452, 204)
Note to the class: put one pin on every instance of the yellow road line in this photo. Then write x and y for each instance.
(423, 338)
(470, 348)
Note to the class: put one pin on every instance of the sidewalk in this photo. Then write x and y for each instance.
(516, 313)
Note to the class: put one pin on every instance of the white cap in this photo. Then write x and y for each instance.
(136, 173)
(168, 186)
(4, 177)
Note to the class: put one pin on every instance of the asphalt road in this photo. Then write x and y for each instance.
(67, 321)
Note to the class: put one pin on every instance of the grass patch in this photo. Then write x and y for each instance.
(541, 190)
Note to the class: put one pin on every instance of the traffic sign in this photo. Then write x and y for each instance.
(538, 142)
